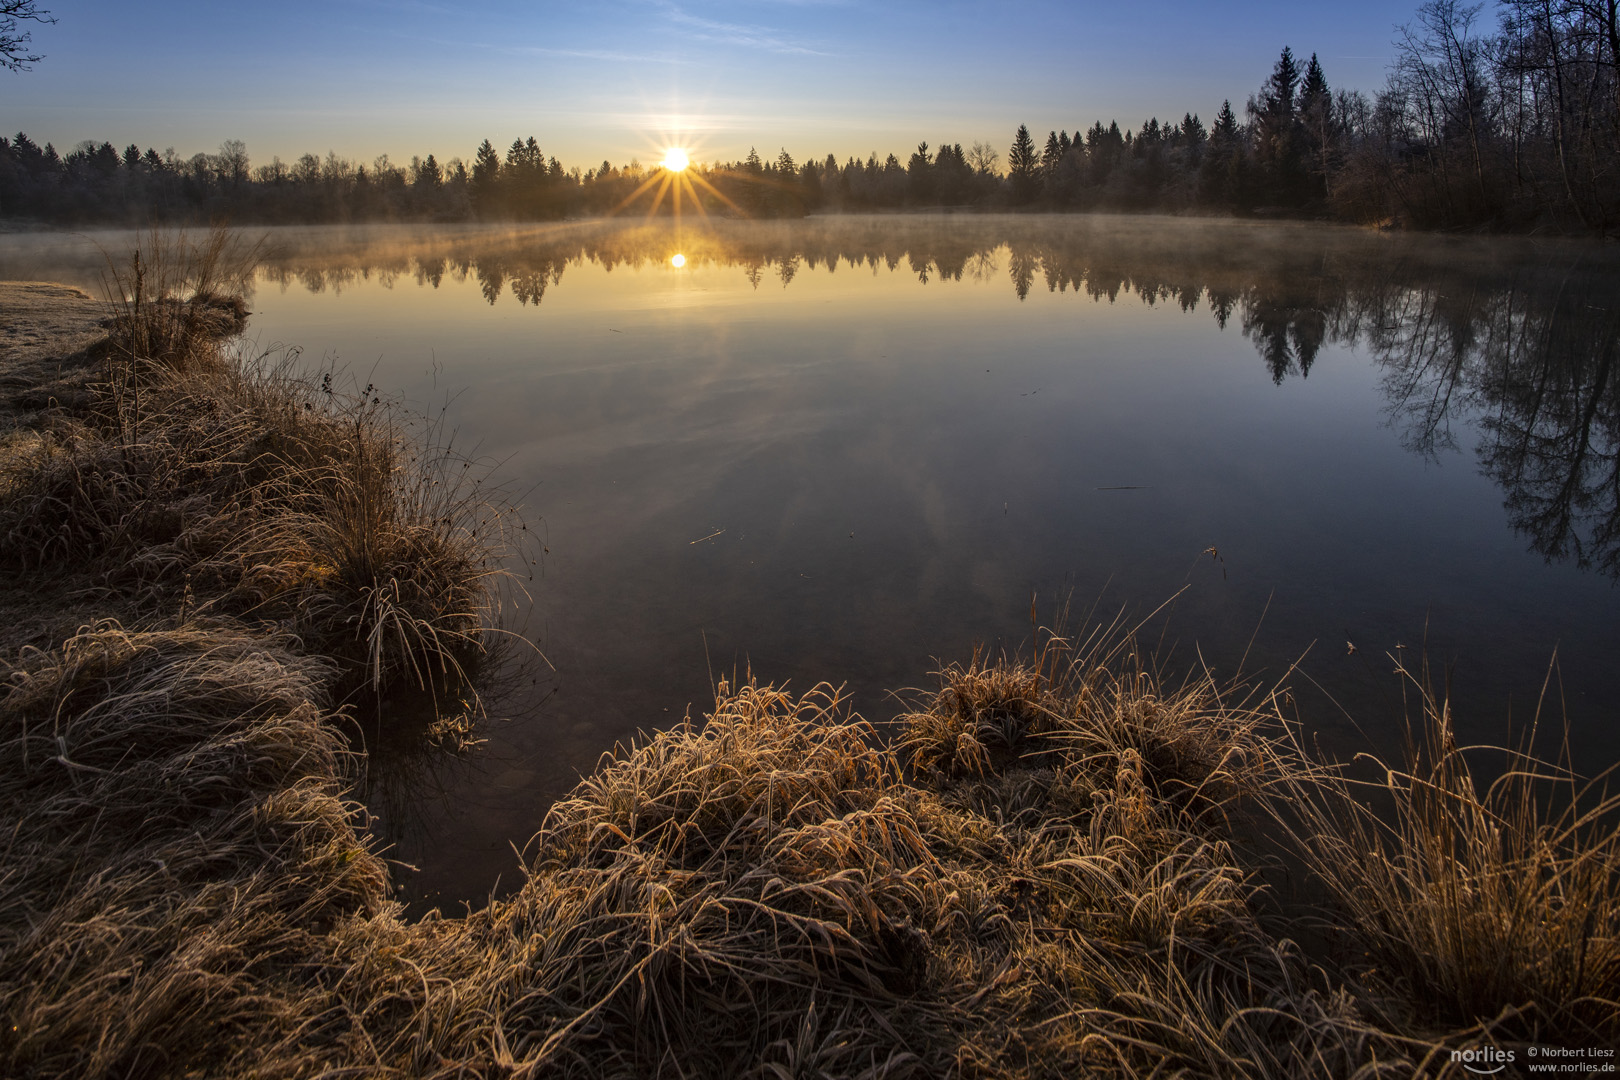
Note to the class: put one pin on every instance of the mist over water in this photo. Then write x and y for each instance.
(846, 449)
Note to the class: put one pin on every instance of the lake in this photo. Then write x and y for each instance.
(852, 449)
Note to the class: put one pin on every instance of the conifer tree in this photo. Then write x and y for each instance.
(1051, 153)
(428, 173)
(920, 176)
(1278, 135)
(1221, 175)
(787, 198)
(1191, 138)
(1313, 87)
(486, 166)
(1277, 96)
(1022, 166)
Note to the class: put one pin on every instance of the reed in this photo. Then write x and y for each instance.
(1462, 902)
(174, 297)
(177, 847)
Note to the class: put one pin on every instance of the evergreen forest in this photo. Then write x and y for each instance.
(1511, 126)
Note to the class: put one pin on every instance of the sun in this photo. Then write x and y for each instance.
(678, 176)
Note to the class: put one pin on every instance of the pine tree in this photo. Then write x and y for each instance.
(1022, 166)
(1225, 131)
(1314, 87)
(1222, 176)
(486, 163)
(428, 173)
(486, 172)
(1278, 136)
(810, 185)
(1051, 153)
(1191, 138)
(920, 176)
(1277, 95)
(787, 197)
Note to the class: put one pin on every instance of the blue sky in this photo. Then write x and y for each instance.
(624, 77)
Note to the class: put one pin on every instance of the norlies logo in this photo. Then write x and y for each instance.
(1483, 1060)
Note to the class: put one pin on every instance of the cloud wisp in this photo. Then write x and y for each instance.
(723, 33)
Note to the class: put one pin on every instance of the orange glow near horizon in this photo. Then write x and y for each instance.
(676, 159)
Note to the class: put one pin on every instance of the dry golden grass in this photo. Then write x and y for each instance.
(195, 478)
(175, 297)
(1466, 903)
(176, 848)
(770, 892)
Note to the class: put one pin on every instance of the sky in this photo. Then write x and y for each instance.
(624, 79)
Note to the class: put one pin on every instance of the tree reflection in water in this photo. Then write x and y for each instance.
(1535, 374)
(1513, 341)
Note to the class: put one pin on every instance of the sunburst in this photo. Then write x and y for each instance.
(675, 177)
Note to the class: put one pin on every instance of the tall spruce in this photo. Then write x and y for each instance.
(1221, 176)
(1023, 167)
(1051, 153)
(1278, 135)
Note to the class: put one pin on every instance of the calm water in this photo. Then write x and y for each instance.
(847, 450)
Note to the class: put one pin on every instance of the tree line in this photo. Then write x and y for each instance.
(1512, 126)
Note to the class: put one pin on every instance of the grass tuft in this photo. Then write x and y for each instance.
(1463, 902)
(191, 477)
(771, 891)
(176, 843)
(175, 298)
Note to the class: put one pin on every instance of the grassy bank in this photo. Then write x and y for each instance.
(1063, 866)
(163, 474)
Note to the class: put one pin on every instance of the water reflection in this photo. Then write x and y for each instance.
(1537, 371)
(1512, 341)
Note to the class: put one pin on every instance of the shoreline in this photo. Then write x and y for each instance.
(1045, 874)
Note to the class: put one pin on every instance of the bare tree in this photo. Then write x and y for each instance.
(1441, 69)
(14, 53)
(985, 159)
(233, 162)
